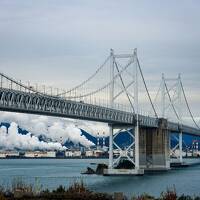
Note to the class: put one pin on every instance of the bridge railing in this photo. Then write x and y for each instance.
(17, 85)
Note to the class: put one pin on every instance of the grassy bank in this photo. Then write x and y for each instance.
(77, 191)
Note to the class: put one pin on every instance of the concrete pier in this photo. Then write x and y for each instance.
(154, 147)
(153, 150)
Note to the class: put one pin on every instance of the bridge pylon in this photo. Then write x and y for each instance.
(174, 98)
(131, 153)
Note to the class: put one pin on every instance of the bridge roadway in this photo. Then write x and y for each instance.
(35, 103)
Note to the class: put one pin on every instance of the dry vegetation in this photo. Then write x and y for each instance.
(77, 191)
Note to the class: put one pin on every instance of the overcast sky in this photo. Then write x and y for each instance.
(62, 42)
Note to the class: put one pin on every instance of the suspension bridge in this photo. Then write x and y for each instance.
(116, 94)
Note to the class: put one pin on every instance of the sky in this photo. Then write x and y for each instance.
(61, 43)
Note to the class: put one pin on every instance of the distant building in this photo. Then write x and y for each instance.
(89, 153)
(40, 154)
(12, 154)
(76, 153)
(51, 154)
(69, 154)
(2, 155)
(60, 154)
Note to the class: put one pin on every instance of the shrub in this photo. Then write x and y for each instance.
(185, 197)
(169, 194)
(2, 196)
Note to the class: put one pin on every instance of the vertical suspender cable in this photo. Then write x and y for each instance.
(187, 104)
(145, 85)
(171, 101)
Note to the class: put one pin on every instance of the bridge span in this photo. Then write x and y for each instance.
(34, 103)
(150, 149)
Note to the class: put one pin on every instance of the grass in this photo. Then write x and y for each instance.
(77, 191)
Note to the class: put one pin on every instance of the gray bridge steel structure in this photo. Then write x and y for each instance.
(150, 132)
(34, 103)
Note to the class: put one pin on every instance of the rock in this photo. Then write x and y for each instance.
(125, 164)
(100, 168)
(89, 171)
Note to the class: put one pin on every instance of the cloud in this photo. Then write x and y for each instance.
(12, 139)
(59, 130)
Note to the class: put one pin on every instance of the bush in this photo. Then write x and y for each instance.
(169, 195)
(183, 197)
(59, 190)
(143, 197)
(2, 197)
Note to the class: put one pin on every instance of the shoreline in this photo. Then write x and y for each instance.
(13, 157)
(62, 158)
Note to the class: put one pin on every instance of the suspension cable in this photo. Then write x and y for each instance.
(88, 79)
(124, 87)
(122, 90)
(158, 91)
(31, 89)
(20, 84)
(171, 101)
(146, 88)
(188, 107)
(100, 89)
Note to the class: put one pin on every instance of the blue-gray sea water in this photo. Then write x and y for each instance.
(50, 173)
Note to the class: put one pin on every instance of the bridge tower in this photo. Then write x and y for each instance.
(130, 153)
(175, 102)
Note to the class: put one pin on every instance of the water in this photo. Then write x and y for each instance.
(50, 173)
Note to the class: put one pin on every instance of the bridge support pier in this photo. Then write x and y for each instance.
(130, 153)
(110, 166)
(178, 160)
(154, 147)
(150, 146)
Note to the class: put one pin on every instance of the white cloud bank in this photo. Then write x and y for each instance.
(57, 129)
(11, 139)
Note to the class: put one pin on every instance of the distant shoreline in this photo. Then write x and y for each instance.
(9, 158)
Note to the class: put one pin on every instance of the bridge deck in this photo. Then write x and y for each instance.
(34, 103)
